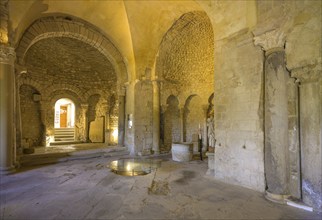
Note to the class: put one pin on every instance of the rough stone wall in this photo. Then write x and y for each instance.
(238, 110)
(303, 59)
(185, 64)
(143, 117)
(171, 125)
(185, 61)
(239, 98)
(67, 68)
(194, 118)
(31, 119)
(294, 177)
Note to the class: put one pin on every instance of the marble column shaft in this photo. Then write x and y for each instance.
(276, 123)
(7, 93)
(121, 120)
(156, 117)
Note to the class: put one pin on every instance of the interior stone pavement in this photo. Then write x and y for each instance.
(87, 189)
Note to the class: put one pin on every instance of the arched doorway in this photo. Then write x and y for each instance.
(64, 120)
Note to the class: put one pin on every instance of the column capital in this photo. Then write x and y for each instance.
(7, 55)
(271, 41)
(309, 73)
(84, 106)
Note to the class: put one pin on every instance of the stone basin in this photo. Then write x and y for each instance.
(182, 151)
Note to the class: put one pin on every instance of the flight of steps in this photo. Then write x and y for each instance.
(64, 136)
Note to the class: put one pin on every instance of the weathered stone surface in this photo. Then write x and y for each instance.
(310, 110)
(238, 107)
(276, 123)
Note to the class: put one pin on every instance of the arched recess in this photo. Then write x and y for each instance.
(171, 123)
(68, 26)
(49, 109)
(193, 118)
(96, 118)
(30, 108)
(185, 65)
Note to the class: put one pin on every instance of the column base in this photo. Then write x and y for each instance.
(277, 198)
(7, 170)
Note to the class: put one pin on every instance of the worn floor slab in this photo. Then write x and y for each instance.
(86, 189)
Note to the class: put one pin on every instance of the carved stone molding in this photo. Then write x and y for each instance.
(7, 55)
(271, 40)
(309, 73)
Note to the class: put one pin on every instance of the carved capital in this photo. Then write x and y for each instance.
(309, 73)
(7, 55)
(84, 106)
(271, 40)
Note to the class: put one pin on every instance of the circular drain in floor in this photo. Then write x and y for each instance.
(134, 166)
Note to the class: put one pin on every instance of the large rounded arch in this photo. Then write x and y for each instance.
(68, 26)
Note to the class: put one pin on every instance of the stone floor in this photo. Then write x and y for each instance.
(86, 189)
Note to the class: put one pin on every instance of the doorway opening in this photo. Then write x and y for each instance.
(64, 113)
(64, 120)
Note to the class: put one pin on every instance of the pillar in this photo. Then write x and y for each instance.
(19, 70)
(205, 134)
(310, 104)
(182, 133)
(156, 117)
(121, 118)
(276, 114)
(84, 109)
(43, 112)
(7, 91)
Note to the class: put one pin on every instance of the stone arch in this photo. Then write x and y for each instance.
(69, 94)
(104, 95)
(193, 118)
(32, 83)
(197, 18)
(171, 123)
(72, 27)
(64, 87)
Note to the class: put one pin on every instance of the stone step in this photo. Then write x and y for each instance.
(64, 142)
(49, 158)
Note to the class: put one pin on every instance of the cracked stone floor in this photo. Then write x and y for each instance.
(86, 189)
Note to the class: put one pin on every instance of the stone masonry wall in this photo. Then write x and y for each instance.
(143, 117)
(185, 63)
(238, 110)
(64, 67)
(30, 114)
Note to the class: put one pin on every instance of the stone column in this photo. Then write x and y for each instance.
(84, 109)
(43, 112)
(276, 114)
(310, 78)
(156, 117)
(106, 126)
(205, 134)
(182, 133)
(121, 118)
(19, 70)
(7, 91)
